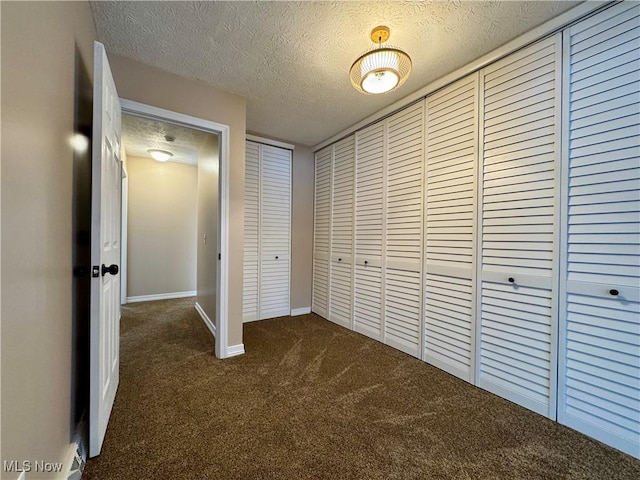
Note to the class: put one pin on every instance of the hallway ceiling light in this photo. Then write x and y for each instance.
(160, 155)
(382, 68)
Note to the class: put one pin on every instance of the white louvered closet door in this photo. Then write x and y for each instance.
(322, 224)
(600, 306)
(405, 160)
(275, 231)
(520, 108)
(451, 159)
(370, 218)
(251, 263)
(341, 291)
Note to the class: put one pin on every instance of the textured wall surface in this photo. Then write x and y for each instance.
(292, 59)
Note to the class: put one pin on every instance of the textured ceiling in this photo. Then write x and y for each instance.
(291, 59)
(141, 134)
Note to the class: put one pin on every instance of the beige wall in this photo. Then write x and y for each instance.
(302, 227)
(155, 87)
(161, 233)
(208, 167)
(38, 82)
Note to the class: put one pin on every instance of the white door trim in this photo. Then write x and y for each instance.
(169, 116)
(123, 236)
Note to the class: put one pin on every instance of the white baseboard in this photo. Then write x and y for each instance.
(300, 311)
(235, 350)
(207, 321)
(160, 296)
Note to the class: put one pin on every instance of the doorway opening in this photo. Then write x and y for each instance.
(175, 212)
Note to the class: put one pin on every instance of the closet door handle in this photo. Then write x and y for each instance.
(366, 262)
(276, 257)
(511, 279)
(613, 292)
(339, 259)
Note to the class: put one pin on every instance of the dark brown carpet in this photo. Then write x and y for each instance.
(314, 400)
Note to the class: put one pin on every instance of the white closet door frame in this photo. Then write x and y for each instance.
(553, 282)
(383, 244)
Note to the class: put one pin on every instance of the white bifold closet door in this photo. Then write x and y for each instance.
(600, 303)
(321, 235)
(369, 222)
(275, 231)
(340, 284)
(449, 286)
(251, 232)
(403, 235)
(520, 151)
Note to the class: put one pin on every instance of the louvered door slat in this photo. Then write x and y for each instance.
(452, 123)
(251, 272)
(403, 245)
(275, 231)
(321, 233)
(600, 332)
(369, 221)
(340, 298)
(520, 150)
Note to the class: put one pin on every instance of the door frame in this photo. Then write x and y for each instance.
(222, 288)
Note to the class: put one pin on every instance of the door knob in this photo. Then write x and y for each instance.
(339, 259)
(366, 262)
(276, 257)
(511, 279)
(613, 292)
(112, 269)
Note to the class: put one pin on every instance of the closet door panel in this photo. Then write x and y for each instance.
(369, 218)
(451, 157)
(275, 231)
(368, 300)
(520, 152)
(274, 288)
(340, 301)
(600, 328)
(321, 234)
(403, 236)
(250, 289)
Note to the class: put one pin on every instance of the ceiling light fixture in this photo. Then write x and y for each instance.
(382, 68)
(160, 155)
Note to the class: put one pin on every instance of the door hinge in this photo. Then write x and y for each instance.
(95, 271)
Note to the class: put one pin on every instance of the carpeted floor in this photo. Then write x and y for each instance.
(310, 399)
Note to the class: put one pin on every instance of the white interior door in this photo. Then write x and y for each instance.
(251, 283)
(403, 238)
(518, 225)
(340, 298)
(370, 207)
(599, 377)
(275, 231)
(105, 250)
(451, 159)
(321, 240)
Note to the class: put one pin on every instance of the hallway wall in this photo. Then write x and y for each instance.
(161, 234)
